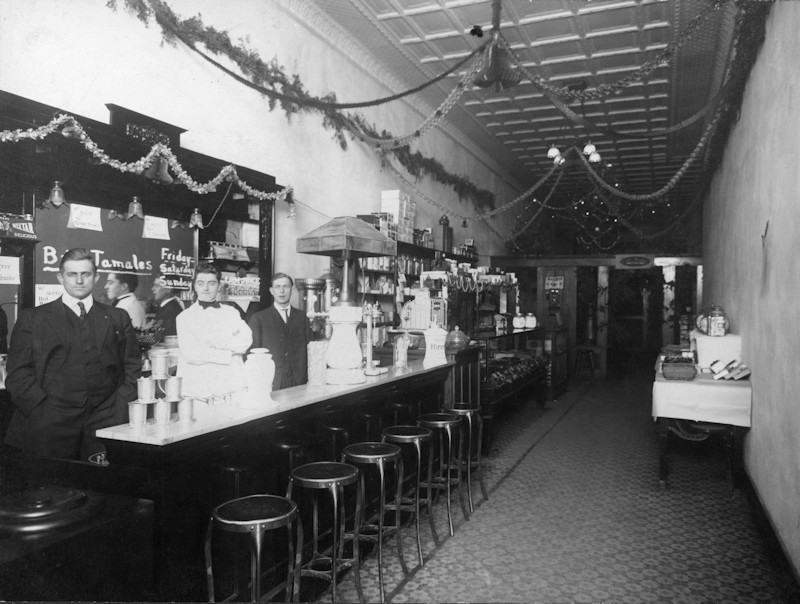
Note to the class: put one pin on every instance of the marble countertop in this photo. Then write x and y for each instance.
(212, 418)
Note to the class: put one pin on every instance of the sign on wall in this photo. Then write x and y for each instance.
(118, 246)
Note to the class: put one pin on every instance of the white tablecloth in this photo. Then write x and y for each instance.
(703, 399)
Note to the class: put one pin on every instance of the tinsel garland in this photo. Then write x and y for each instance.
(273, 75)
(71, 128)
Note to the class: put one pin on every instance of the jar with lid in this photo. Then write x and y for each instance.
(530, 321)
(714, 322)
(455, 340)
(518, 321)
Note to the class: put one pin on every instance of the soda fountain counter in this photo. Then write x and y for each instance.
(185, 467)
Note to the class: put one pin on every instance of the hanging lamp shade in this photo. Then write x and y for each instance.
(499, 71)
(346, 236)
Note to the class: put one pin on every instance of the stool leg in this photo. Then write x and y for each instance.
(296, 555)
(398, 502)
(459, 477)
(381, 512)
(479, 421)
(209, 570)
(418, 449)
(337, 533)
(469, 457)
(429, 498)
(257, 538)
(449, 463)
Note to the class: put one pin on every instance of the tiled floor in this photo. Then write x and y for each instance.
(576, 514)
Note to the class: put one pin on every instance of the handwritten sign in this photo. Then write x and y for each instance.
(155, 228)
(47, 292)
(84, 217)
(9, 270)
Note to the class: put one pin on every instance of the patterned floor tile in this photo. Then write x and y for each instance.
(576, 514)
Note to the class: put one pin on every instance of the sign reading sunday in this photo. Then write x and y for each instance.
(118, 246)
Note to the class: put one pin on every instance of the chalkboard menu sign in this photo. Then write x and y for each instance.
(145, 247)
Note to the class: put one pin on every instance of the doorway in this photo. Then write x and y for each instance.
(635, 302)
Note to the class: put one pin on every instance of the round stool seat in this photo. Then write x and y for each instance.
(438, 420)
(255, 515)
(324, 474)
(371, 452)
(245, 514)
(463, 409)
(407, 434)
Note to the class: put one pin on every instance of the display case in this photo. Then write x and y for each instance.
(511, 363)
(554, 343)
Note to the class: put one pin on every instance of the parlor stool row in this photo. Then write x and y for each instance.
(457, 427)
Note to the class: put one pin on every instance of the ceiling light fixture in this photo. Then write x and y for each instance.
(499, 72)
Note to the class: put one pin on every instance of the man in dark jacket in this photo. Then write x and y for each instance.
(72, 368)
(168, 306)
(285, 331)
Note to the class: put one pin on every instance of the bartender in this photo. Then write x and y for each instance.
(212, 338)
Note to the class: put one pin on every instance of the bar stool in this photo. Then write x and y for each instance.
(474, 433)
(255, 515)
(379, 454)
(373, 422)
(335, 427)
(292, 446)
(414, 435)
(333, 477)
(443, 425)
(410, 411)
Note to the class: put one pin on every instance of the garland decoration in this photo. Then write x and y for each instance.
(71, 128)
(271, 80)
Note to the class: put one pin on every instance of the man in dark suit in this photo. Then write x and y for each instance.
(285, 331)
(168, 306)
(72, 368)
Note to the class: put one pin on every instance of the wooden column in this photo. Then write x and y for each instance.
(266, 246)
(602, 320)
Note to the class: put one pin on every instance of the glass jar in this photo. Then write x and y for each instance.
(518, 321)
(717, 321)
(530, 321)
(456, 340)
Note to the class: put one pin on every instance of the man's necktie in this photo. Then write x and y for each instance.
(207, 304)
(286, 315)
(83, 310)
(115, 302)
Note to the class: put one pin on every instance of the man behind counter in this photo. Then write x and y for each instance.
(285, 331)
(119, 289)
(72, 368)
(168, 306)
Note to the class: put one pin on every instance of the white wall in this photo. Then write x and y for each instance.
(757, 278)
(79, 55)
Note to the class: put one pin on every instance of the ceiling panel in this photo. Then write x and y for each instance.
(579, 44)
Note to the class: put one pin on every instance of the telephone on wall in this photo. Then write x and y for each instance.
(553, 301)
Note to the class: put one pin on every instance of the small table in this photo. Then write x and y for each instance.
(711, 405)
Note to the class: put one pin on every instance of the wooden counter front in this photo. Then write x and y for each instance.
(179, 467)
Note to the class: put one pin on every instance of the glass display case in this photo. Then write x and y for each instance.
(511, 363)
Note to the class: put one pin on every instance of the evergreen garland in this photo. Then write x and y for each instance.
(272, 75)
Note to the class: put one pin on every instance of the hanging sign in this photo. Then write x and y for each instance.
(84, 217)
(554, 282)
(633, 261)
(155, 228)
(17, 227)
(9, 270)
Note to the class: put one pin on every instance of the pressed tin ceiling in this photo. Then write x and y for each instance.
(566, 43)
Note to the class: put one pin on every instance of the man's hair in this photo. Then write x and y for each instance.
(132, 281)
(162, 281)
(277, 276)
(77, 253)
(204, 267)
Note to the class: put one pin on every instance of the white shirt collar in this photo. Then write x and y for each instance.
(170, 299)
(72, 303)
